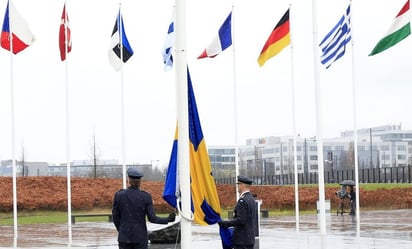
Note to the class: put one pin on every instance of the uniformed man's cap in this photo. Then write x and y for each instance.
(244, 179)
(134, 173)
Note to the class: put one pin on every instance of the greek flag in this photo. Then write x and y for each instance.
(334, 44)
(168, 46)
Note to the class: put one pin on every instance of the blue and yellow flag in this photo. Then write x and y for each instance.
(205, 201)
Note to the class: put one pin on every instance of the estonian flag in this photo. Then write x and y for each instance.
(120, 50)
(21, 36)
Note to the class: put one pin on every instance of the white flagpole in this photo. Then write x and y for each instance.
(319, 135)
(122, 97)
(355, 131)
(13, 137)
(183, 157)
(68, 168)
(235, 104)
(295, 156)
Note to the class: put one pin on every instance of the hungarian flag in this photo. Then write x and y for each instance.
(400, 29)
(278, 40)
(15, 33)
(63, 39)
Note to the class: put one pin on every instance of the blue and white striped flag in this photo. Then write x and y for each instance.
(167, 50)
(334, 44)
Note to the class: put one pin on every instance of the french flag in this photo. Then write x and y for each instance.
(222, 40)
(21, 36)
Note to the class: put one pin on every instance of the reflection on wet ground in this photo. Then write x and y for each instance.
(379, 230)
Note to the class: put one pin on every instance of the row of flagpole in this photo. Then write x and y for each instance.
(181, 80)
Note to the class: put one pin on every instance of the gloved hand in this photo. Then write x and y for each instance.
(221, 223)
(171, 217)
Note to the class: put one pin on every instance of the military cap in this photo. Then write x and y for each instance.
(134, 173)
(244, 179)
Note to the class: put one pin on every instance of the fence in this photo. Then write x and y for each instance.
(374, 175)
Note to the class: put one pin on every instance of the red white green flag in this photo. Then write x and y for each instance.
(399, 30)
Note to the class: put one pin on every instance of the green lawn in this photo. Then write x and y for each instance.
(365, 186)
(48, 217)
(52, 217)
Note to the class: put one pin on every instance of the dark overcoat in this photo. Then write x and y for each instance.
(130, 208)
(244, 221)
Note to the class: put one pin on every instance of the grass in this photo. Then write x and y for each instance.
(35, 217)
(376, 186)
(57, 217)
(366, 186)
(48, 217)
(52, 217)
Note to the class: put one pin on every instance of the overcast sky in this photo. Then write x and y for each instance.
(383, 82)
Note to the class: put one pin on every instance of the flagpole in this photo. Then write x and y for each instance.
(13, 138)
(120, 28)
(295, 156)
(319, 135)
(235, 106)
(68, 166)
(183, 158)
(355, 133)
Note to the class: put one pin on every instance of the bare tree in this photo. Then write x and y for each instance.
(24, 173)
(94, 157)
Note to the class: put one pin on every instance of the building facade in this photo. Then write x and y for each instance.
(378, 147)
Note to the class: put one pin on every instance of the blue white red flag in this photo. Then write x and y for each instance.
(15, 34)
(222, 40)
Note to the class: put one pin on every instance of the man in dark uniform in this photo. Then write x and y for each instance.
(244, 220)
(130, 208)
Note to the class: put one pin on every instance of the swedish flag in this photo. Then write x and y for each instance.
(205, 201)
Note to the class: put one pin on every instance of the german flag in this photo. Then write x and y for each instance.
(278, 39)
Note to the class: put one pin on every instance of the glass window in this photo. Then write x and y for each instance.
(385, 147)
(314, 167)
(401, 147)
(340, 147)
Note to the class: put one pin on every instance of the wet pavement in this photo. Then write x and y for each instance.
(378, 230)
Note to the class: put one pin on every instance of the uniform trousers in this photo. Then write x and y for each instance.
(123, 245)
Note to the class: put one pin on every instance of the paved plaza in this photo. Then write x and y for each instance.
(378, 230)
